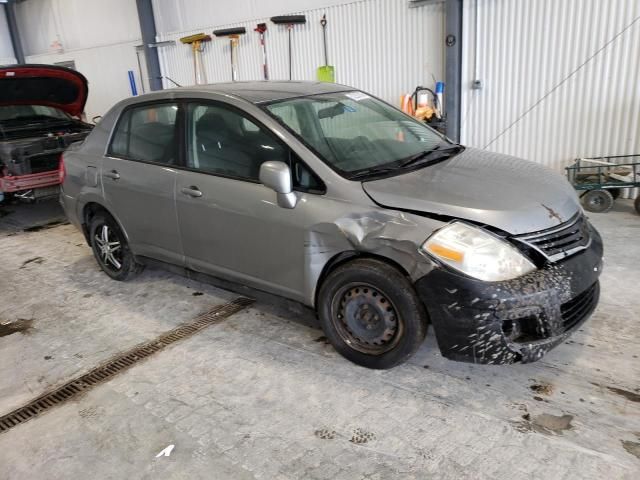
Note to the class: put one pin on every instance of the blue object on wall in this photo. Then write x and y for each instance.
(132, 82)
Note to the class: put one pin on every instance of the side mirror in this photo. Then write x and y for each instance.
(277, 176)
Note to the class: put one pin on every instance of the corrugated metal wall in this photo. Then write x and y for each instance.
(179, 15)
(560, 78)
(381, 46)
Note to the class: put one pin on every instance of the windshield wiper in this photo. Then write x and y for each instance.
(373, 171)
(436, 154)
(432, 156)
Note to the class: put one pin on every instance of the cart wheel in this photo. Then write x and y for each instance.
(598, 201)
(636, 203)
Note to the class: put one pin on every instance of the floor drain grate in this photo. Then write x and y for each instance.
(118, 364)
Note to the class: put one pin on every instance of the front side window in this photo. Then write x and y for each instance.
(223, 141)
(148, 134)
(353, 132)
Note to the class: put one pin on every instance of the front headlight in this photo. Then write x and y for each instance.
(477, 253)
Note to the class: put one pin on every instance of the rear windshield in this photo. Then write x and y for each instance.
(30, 112)
(353, 131)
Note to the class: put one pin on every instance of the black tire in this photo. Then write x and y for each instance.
(121, 255)
(597, 201)
(636, 203)
(371, 314)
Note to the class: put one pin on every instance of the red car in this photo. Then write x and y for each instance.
(40, 109)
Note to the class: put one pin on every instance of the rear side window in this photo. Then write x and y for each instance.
(147, 134)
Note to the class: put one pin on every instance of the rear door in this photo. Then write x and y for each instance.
(138, 178)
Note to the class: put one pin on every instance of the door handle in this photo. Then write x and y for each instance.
(114, 175)
(192, 191)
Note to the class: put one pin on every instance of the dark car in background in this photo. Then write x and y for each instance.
(40, 108)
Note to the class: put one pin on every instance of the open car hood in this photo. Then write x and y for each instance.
(514, 195)
(56, 87)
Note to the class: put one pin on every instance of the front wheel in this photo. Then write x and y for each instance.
(371, 314)
(110, 248)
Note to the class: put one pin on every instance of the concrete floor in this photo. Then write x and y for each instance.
(261, 395)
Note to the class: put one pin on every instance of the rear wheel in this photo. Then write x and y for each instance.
(110, 248)
(371, 314)
(598, 201)
(636, 203)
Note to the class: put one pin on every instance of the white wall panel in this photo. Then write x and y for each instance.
(553, 90)
(106, 71)
(180, 15)
(76, 24)
(6, 49)
(381, 46)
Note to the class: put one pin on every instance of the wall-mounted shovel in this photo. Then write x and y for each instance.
(234, 35)
(289, 21)
(261, 28)
(327, 72)
(196, 47)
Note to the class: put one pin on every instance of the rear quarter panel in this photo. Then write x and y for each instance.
(83, 162)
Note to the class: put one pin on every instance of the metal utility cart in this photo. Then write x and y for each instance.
(603, 178)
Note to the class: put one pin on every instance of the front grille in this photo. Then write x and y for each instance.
(561, 241)
(579, 307)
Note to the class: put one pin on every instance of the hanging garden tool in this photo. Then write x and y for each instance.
(261, 28)
(234, 36)
(289, 21)
(326, 73)
(196, 47)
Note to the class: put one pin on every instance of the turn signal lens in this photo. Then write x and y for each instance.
(444, 252)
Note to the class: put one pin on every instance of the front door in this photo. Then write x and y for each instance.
(138, 179)
(231, 225)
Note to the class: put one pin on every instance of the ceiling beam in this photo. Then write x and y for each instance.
(453, 67)
(14, 33)
(148, 31)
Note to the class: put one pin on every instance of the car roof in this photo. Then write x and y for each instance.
(267, 91)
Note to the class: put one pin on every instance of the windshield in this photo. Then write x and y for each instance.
(354, 132)
(30, 112)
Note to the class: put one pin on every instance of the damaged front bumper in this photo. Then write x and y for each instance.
(512, 321)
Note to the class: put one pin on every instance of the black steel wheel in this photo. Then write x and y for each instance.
(365, 319)
(371, 314)
(110, 248)
(597, 201)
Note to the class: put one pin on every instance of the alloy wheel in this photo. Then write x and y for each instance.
(109, 247)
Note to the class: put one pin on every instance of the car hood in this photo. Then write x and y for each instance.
(57, 87)
(514, 195)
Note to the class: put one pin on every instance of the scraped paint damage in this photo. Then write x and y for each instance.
(388, 234)
(489, 344)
